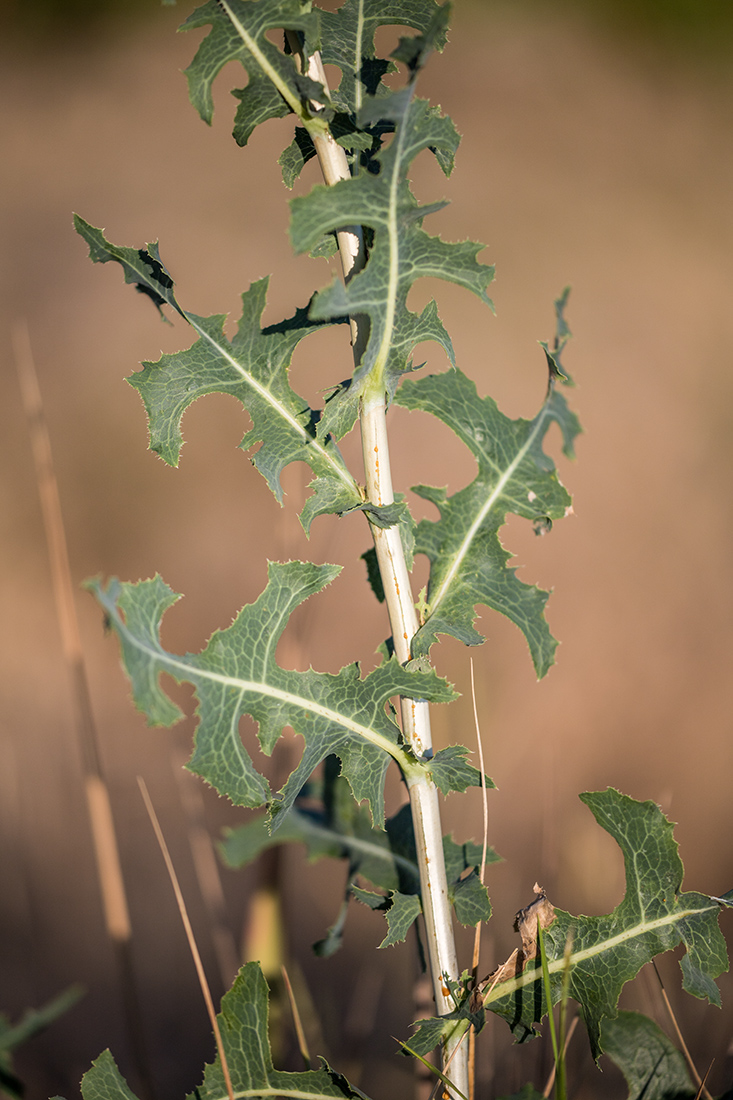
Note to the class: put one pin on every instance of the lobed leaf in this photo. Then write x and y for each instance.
(326, 820)
(253, 367)
(243, 1022)
(468, 564)
(348, 42)
(401, 251)
(238, 33)
(607, 951)
(236, 673)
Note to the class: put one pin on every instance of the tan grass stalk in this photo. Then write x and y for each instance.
(683, 1045)
(106, 850)
(302, 1041)
(193, 948)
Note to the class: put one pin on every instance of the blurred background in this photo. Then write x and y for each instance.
(596, 152)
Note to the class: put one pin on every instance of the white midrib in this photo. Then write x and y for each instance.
(263, 1090)
(355, 844)
(491, 500)
(292, 101)
(280, 409)
(264, 393)
(295, 106)
(192, 673)
(636, 930)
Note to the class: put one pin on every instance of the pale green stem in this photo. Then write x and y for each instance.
(404, 623)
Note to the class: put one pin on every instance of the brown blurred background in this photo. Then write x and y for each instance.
(596, 152)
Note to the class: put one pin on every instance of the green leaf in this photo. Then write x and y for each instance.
(607, 951)
(253, 367)
(451, 772)
(237, 674)
(348, 35)
(401, 253)
(143, 267)
(654, 1069)
(275, 88)
(470, 900)
(401, 915)
(348, 42)
(468, 562)
(243, 1026)
(326, 820)
(104, 1081)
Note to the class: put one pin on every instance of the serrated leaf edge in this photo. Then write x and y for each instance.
(491, 500)
(634, 932)
(181, 671)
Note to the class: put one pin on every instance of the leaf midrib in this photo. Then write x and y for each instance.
(276, 405)
(634, 932)
(491, 500)
(192, 673)
(292, 101)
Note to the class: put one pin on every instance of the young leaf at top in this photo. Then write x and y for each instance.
(348, 42)
(237, 674)
(244, 1034)
(468, 564)
(253, 367)
(401, 252)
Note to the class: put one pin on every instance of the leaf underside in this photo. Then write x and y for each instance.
(326, 820)
(653, 1067)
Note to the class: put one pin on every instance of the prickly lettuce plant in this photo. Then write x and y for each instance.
(366, 134)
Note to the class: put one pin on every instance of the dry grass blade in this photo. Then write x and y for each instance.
(302, 1041)
(106, 850)
(206, 867)
(702, 1090)
(189, 935)
(703, 1082)
(105, 840)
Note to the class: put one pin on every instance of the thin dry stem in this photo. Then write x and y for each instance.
(189, 934)
(703, 1082)
(206, 867)
(683, 1045)
(104, 837)
(302, 1041)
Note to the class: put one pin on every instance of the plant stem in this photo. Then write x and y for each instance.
(404, 623)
